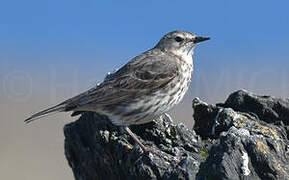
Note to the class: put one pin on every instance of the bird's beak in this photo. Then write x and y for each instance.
(200, 39)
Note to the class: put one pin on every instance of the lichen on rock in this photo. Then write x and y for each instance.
(244, 138)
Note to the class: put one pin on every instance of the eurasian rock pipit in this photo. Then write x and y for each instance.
(143, 89)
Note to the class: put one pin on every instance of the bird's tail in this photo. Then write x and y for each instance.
(46, 112)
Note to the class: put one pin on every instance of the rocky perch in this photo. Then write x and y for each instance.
(244, 138)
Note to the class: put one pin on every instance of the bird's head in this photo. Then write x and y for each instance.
(180, 43)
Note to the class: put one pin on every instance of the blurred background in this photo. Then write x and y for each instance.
(52, 50)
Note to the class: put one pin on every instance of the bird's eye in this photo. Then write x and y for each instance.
(179, 39)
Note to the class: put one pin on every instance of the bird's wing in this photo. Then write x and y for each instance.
(143, 75)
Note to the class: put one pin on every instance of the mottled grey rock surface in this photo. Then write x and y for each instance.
(96, 149)
(243, 138)
(267, 108)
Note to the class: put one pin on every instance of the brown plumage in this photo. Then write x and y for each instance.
(143, 89)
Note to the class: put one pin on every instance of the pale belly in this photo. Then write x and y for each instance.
(150, 107)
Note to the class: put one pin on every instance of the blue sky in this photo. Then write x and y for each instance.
(52, 50)
(89, 38)
(69, 28)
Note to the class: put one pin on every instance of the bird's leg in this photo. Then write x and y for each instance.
(136, 139)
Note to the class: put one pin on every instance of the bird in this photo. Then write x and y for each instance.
(146, 87)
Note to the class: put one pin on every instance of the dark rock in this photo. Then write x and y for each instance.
(244, 138)
(243, 146)
(96, 149)
(203, 115)
(267, 108)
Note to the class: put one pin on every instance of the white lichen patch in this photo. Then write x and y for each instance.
(243, 132)
(245, 164)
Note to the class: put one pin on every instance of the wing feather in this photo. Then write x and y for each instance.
(143, 75)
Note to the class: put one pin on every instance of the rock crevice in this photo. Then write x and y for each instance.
(246, 137)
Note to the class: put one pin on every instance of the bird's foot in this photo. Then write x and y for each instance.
(145, 149)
